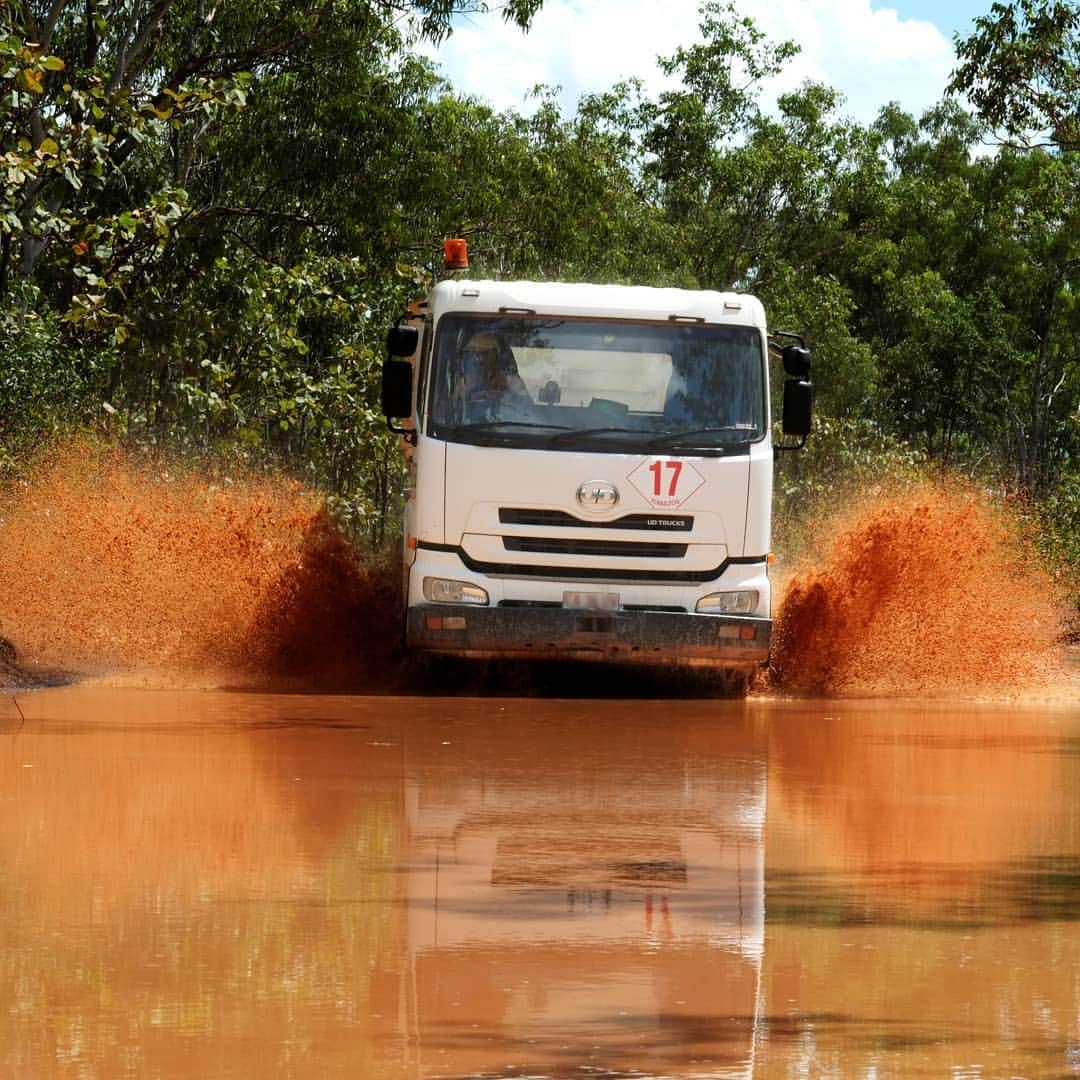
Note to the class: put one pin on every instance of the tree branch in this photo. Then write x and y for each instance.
(48, 29)
(220, 64)
(126, 56)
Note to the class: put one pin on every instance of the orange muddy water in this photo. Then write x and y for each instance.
(600, 879)
(229, 884)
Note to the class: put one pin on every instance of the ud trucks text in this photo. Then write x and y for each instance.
(590, 471)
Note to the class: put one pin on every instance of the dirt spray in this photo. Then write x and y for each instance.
(109, 566)
(926, 592)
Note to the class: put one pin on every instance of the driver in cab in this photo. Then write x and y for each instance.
(493, 388)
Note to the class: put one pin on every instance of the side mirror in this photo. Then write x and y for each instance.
(402, 341)
(798, 407)
(396, 388)
(796, 360)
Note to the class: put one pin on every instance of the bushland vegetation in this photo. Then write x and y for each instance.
(210, 212)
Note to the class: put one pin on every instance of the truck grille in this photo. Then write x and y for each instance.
(561, 519)
(553, 545)
(591, 573)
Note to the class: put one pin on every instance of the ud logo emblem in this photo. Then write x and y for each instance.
(597, 495)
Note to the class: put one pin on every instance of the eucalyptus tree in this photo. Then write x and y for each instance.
(1030, 262)
(1021, 70)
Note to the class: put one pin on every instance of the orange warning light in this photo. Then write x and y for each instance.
(456, 255)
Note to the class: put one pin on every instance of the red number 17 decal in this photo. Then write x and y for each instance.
(657, 469)
(665, 483)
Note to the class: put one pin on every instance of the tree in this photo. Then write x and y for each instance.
(210, 213)
(962, 281)
(1021, 70)
(113, 105)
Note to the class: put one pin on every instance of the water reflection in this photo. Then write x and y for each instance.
(931, 817)
(183, 896)
(231, 885)
(583, 897)
(921, 892)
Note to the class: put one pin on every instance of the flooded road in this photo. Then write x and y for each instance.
(209, 884)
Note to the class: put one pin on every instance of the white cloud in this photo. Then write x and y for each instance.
(871, 55)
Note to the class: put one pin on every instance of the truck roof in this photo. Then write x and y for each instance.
(598, 301)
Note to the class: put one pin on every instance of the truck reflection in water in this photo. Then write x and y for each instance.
(236, 885)
(572, 915)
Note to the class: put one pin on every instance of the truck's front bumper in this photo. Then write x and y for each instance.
(639, 637)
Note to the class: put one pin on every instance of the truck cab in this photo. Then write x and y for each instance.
(590, 472)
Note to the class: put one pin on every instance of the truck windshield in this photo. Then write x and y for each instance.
(567, 384)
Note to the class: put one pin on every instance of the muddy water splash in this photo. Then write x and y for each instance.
(927, 592)
(107, 566)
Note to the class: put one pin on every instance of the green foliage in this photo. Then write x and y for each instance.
(843, 459)
(42, 386)
(1021, 70)
(845, 367)
(1059, 533)
(209, 214)
(179, 265)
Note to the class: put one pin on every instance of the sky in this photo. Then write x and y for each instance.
(872, 51)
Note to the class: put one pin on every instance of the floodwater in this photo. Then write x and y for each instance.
(231, 884)
(236, 884)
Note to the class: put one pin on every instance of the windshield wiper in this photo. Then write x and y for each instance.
(570, 434)
(695, 438)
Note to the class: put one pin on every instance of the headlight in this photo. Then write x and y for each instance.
(737, 602)
(439, 590)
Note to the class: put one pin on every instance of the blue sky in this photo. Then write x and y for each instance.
(873, 51)
(947, 15)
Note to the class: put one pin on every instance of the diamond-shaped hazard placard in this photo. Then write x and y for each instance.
(666, 482)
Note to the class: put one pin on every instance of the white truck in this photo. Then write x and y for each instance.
(590, 471)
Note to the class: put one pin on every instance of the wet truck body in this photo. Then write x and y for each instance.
(590, 473)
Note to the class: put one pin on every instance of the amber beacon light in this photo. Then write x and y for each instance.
(456, 254)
